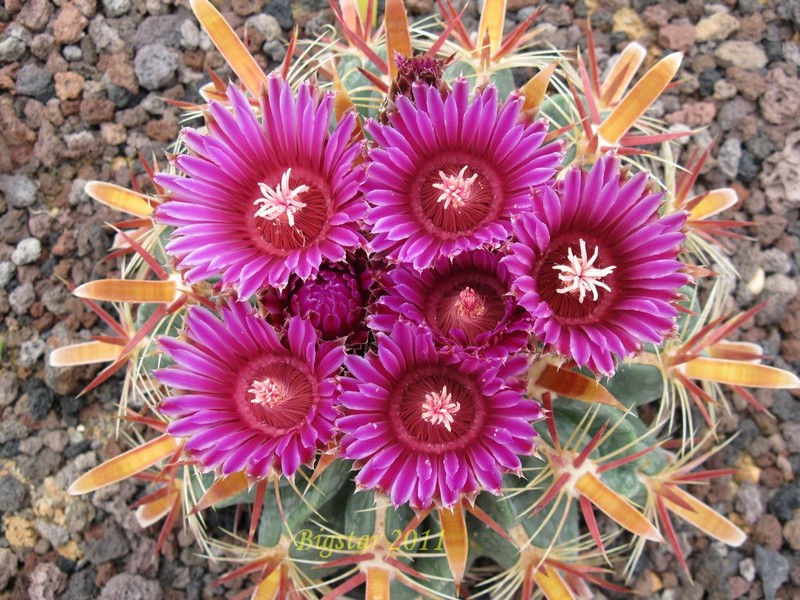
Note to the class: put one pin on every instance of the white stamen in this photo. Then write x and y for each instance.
(266, 392)
(439, 408)
(455, 189)
(581, 276)
(470, 304)
(280, 200)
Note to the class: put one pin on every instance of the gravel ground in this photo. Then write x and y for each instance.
(82, 88)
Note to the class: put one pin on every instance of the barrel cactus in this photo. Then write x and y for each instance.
(431, 333)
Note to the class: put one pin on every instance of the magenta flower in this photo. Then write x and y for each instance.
(447, 175)
(250, 400)
(596, 267)
(466, 302)
(425, 429)
(263, 200)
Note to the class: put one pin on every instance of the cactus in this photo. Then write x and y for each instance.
(404, 317)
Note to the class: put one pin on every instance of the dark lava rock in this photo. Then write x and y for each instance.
(160, 29)
(122, 98)
(794, 460)
(40, 398)
(81, 585)
(760, 145)
(13, 494)
(789, 10)
(70, 409)
(111, 545)
(602, 19)
(640, 5)
(9, 449)
(774, 51)
(785, 501)
(35, 81)
(749, 166)
(75, 449)
(282, 11)
(785, 406)
(707, 79)
(748, 431)
(92, 239)
(712, 573)
(618, 37)
(774, 570)
(66, 565)
(44, 464)
(747, 7)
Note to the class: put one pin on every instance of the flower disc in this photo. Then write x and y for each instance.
(597, 267)
(249, 400)
(425, 428)
(446, 174)
(466, 302)
(261, 200)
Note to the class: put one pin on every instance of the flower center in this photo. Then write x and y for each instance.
(280, 200)
(579, 276)
(436, 409)
(267, 393)
(455, 195)
(280, 397)
(439, 408)
(292, 214)
(473, 302)
(455, 189)
(470, 304)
